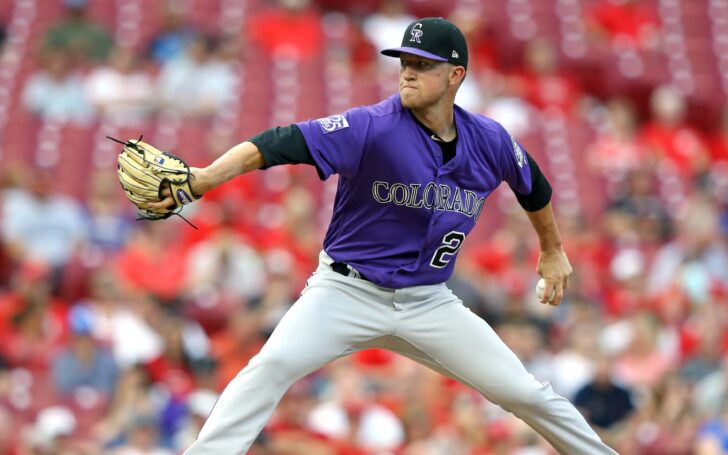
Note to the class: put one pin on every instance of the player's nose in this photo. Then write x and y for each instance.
(408, 73)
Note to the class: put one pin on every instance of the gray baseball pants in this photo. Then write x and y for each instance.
(337, 315)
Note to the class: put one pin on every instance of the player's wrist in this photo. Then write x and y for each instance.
(552, 246)
(200, 181)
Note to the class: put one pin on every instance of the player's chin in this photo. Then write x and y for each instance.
(409, 99)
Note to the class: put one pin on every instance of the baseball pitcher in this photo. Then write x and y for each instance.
(414, 172)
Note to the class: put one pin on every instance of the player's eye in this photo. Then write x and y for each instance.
(419, 65)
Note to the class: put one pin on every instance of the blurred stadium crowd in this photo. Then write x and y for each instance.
(116, 336)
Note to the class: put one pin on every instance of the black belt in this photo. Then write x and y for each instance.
(342, 269)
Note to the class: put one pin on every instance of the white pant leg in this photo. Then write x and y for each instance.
(333, 313)
(444, 332)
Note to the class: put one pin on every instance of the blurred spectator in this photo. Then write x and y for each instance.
(204, 372)
(291, 28)
(77, 34)
(478, 29)
(224, 268)
(35, 331)
(602, 401)
(56, 92)
(664, 424)
(278, 298)
(351, 414)
(41, 225)
(638, 210)
(52, 431)
(573, 365)
(84, 362)
(481, 50)
(173, 35)
(110, 224)
(624, 24)
(615, 150)
(501, 101)
(668, 137)
(184, 342)
(287, 432)
(710, 394)
(198, 83)
(13, 178)
(234, 346)
(542, 82)
(383, 28)
(712, 438)
(706, 358)
(133, 397)
(9, 441)
(31, 320)
(141, 436)
(199, 406)
(152, 263)
(696, 261)
(526, 340)
(719, 141)
(121, 322)
(642, 365)
(121, 91)
(2, 35)
(624, 290)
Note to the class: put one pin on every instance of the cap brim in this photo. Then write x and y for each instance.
(394, 52)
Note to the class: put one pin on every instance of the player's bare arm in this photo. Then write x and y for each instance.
(242, 158)
(553, 265)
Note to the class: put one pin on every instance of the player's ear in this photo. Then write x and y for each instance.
(457, 74)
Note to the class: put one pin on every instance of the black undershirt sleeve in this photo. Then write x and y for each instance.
(282, 145)
(540, 194)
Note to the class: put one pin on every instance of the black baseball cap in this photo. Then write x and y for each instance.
(434, 38)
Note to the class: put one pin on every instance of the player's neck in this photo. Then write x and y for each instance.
(440, 121)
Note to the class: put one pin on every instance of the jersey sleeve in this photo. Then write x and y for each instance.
(514, 166)
(337, 142)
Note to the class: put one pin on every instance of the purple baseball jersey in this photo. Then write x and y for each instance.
(401, 215)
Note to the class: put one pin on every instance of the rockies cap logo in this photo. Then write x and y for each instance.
(416, 32)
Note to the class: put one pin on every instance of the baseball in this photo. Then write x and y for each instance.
(541, 287)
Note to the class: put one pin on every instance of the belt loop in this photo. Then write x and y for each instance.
(354, 273)
(345, 269)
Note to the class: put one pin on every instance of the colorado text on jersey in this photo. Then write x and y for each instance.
(431, 196)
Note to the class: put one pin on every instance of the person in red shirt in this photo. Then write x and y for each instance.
(236, 344)
(291, 27)
(669, 138)
(615, 151)
(719, 140)
(151, 263)
(541, 82)
(627, 23)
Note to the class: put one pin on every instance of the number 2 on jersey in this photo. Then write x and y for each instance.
(451, 244)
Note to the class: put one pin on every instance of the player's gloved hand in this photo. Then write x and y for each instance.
(157, 183)
(167, 201)
(554, 267)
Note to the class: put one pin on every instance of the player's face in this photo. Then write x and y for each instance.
(422, 82)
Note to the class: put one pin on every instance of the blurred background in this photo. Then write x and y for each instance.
(116, 336)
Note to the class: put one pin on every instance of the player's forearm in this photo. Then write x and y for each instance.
(544, 223)
(242, 158)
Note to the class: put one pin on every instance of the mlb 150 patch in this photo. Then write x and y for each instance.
(333, 123)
